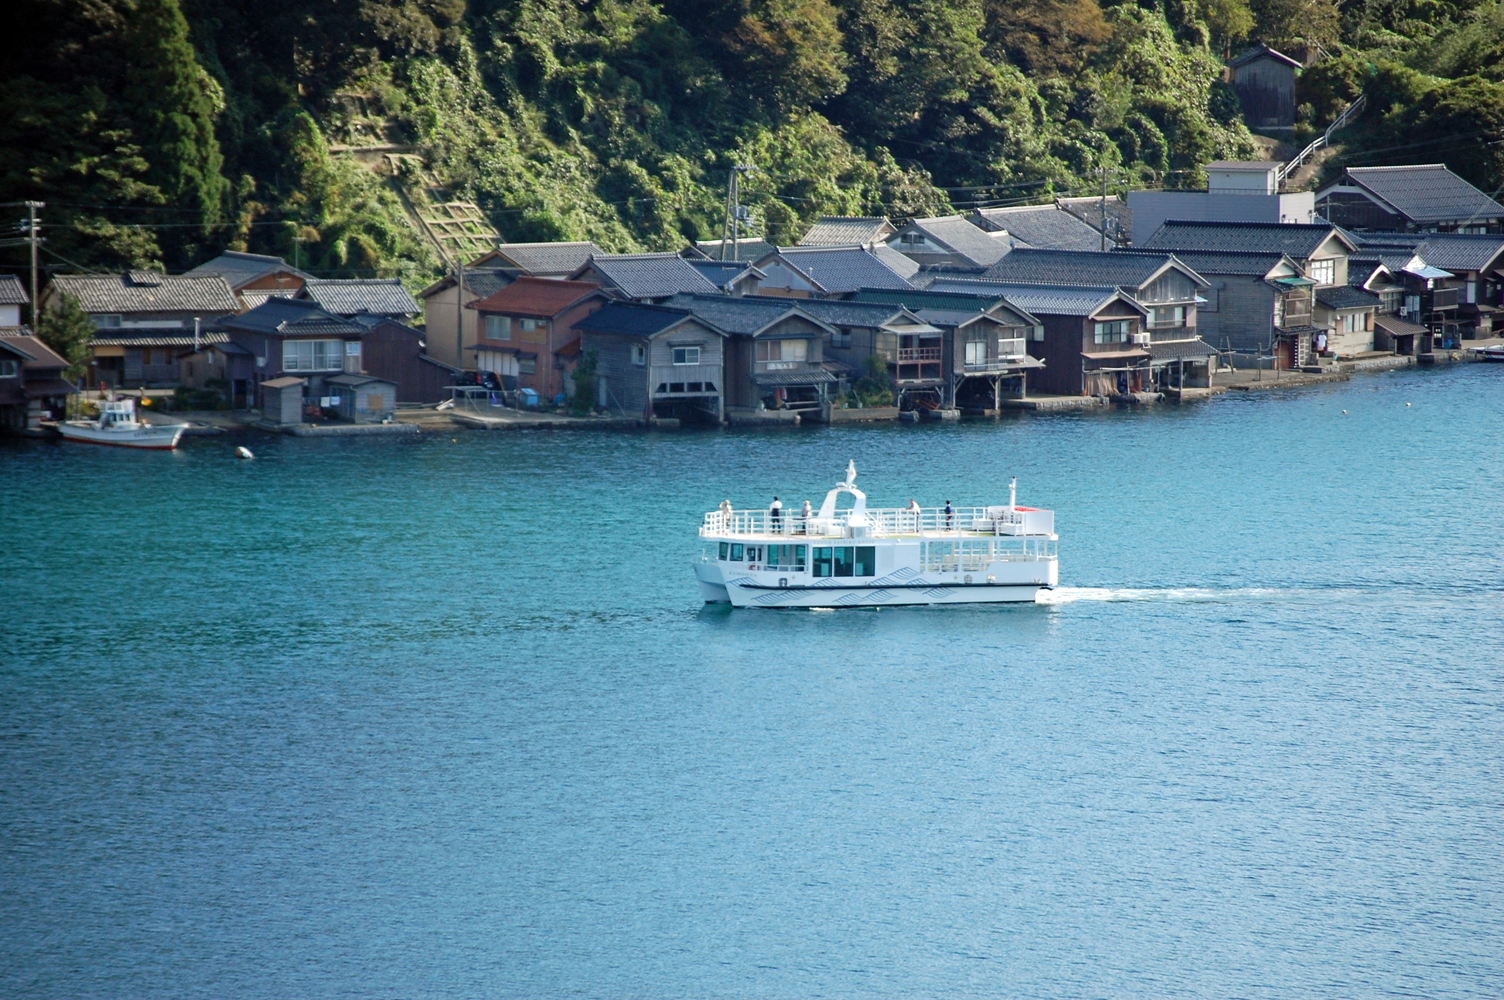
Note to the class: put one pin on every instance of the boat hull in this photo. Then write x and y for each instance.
(896, 590)
(150, 438)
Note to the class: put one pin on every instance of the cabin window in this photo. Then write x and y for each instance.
(1113, 332)
(782, 350)
(736, 553)
(823, 560)
(312, 355)
(639, 354)
(686, 355)
(498, 327)
(1323, 272)
(845, 564)
(912, 239)
(866, 560)
(841, 338)
(9, 369)
(725, 550)
(787, 557)
(352, 348)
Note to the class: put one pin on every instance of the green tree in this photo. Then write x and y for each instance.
(1294, 24)
(67, 329)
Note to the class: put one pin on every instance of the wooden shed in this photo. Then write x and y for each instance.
(364, 399)
(1265, 82)
(283, 400)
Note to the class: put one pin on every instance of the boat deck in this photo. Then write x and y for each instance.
(892, 523)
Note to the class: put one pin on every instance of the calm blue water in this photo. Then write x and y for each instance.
(444, 718)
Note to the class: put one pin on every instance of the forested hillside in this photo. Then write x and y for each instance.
(160, 131)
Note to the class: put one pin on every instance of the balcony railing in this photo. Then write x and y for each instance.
(1164, 334)
(910, 355)
(927, 522)
(1444, 298)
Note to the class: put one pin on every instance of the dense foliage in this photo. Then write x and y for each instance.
(159, 131)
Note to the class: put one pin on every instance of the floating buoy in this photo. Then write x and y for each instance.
(1344, 413)
(243, 452)
(1407, 404)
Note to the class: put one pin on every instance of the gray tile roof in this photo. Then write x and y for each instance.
(1346, 297)
(12, 292)
(208, 295)
(1075, 267)
(752, 248)
(253, 297)
(1059, 300)
(1426, 192)
(744, 315)
(1205, 262)
(1463, 253)
(846, 231)
(1181, 350)
(349, 296)
(962, 238)
(722, 273)
(1297, 240)
(548, 259)
(1044, 226)
(144, 338)
(242, 268)
(979, 299)
(902, 266)
(651, 275)
(839, 270)
(290, 317)
(631, 319)
(840, 312)
(1260, 51)
(1089, 211)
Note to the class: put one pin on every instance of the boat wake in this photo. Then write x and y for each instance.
(1161, 595)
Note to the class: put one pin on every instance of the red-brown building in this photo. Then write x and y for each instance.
(527, 330)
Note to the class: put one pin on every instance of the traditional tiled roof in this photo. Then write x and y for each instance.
(1044, 226)
(840, 312)
(1455, 252)
(1346, 297)
(1259, 52)
(723, 273)
(548, 259)
(253, 297)
(1062, 300)
(1076, 267)
(243, 268)
(1090, 211)
(1181, 350)
(984, 297)
(904, 267)
(744, 314)
(12, 292)
(530, 296)
(290, 318)
(34, 353)
(1427, 192)
(631, 319)
(138, 292)
(748, 248)
(847, 230)
(1206, 262)
(349, 296)
(480, 280)
(961, 237)
(648, 275)
(145, 338)
(839, 270)
(1299, 240)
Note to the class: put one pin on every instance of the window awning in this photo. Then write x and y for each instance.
(1295, 282)
(793, 378)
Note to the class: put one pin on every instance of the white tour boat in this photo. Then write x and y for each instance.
(117, 425)
(877, 558)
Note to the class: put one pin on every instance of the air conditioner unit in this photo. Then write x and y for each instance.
(1141, 339)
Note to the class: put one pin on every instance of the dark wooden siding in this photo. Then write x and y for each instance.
(395, 352)
(1266, 90)
(625, 382)
(1354, 211)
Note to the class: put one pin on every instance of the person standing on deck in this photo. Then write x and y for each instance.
(777, 512)
(914, 512)
(806, 513)
(950, 516)
(726, 514)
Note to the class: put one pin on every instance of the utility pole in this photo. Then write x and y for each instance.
(734, 211)
(459, 310)
(31, 235)
(1104, 207)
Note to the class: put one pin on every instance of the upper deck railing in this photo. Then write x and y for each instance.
(926, 522)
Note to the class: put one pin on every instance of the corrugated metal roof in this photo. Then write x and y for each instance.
(650, 275)
(208, 295)
(1396, 327)
(1426, 192)
(1045, 226)
(239, 268)
(1299, 240)
(12, 292)
(349, 296)
(846, 231)
(1181, 350)
(1261, 51)
(816, 377)
(961, 237)
(530, 296)
(548, 259)
(839, 270)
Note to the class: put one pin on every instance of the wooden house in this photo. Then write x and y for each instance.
(528, 330)
(282, 400)
(254, 277)
(289, 338)
(32, 388)
(656, 361)
(825, 272)
(351, 297)
(644, 277)
(1265, 82)
(1424, 197)
(361, 399)
(445, 316)
(12, 297)
(398, 353)
(947, 241)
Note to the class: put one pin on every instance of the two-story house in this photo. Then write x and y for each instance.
(289, 338)
(1468, 304)
(656, 361)
(948, 241)
(644, 277)
(254, 277)
(527, 331)
(32, 388)
(774, 350)
(825, 272)
(1410, 198)
(144, 319)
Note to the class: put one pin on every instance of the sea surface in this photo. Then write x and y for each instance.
(446, 718)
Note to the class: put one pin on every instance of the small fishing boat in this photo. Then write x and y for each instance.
(860, 557)
(117, 425)
(1493, 352)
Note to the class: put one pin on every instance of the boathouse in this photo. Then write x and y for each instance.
(655, 362)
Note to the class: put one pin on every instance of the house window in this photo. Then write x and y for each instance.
(533, 331)
(527, 366)
(9, 369)
(912, 239)
(841, 338)
(639, 354)
(1113, 332)
(313, 355)
(352, 348)
(529, 324)
(976, 352)
(498, 327)
(782, 350)
(108, 320)
(1323, 272)
(686, 355)
(1168, 316)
